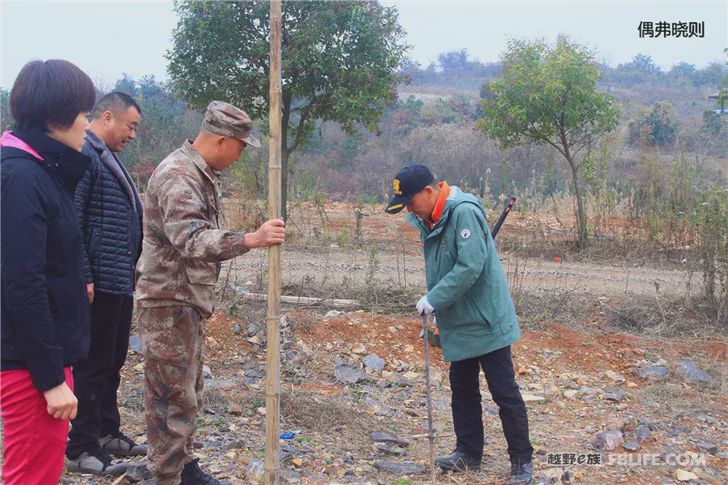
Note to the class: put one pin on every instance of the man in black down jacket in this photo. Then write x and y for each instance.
(109, 212)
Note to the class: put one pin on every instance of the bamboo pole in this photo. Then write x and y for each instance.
(273, 360)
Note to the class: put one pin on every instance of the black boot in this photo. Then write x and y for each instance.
(521, 472)
(458, 461)
(192, 475)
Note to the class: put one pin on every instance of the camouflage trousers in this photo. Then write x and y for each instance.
(173, 339)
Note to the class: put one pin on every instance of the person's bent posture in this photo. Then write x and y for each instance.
(475, 316)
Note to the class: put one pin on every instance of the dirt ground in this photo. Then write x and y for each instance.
(578, 364)
(334, 421)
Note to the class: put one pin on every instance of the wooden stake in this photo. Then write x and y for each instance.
(273, 360)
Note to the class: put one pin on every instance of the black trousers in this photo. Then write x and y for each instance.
(467, 412)
(97, 379)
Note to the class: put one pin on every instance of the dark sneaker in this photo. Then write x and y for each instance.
(192, 475)
(521, 473)
(121, 445)
(458, 461)
(95, 462)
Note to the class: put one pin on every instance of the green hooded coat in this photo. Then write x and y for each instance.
(465, 280)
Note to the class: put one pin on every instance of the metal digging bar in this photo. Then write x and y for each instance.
(430, 430)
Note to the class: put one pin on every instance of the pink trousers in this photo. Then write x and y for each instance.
(34, 442)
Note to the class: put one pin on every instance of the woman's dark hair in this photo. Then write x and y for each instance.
(50, 93)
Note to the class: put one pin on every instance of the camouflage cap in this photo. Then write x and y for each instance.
(225, 119)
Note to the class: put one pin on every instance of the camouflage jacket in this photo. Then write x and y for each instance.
(183, 243)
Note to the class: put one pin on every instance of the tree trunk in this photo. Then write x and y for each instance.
(582, 238)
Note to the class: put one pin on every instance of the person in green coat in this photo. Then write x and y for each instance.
(475, 316)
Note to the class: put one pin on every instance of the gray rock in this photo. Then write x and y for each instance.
(609, 440)
(390, 450)
(706, 447)
(136, 472)
(652, 371)
(206, 372)
(674, 430)
(553, 474)
(404, 468)
(691, 372)
(234, 445)
(236, 328)
(349, 374)
(631, 445)
(643, 433)
(402, 381)
(221, 383)
(253, 373)
(379, 408)
(374, 362)
(255, 472)
(388, 438)
(253, 329)
(613, 395)
(135, 344)
(333, 314)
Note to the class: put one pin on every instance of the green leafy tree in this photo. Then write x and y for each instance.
(454, 60)
(723, 91)
(547, 95)
(645, 64)
(339, 62)
(657, 126)
(165, 122)
(6, 120)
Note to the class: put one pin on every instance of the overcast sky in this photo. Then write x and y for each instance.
(108, 38)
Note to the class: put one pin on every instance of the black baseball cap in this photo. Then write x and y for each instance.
(408, 182)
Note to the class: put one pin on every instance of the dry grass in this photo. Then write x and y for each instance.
(664, 317)
(328, 416)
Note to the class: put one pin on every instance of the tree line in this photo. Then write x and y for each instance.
(492, 127)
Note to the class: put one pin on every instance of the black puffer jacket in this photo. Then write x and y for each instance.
(44, 316)
(109, 212)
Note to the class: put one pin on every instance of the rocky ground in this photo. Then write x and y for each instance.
(619, 364)
(652, 410)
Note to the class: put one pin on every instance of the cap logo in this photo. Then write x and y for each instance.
(397, 190)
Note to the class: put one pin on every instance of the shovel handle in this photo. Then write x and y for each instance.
(504, 214)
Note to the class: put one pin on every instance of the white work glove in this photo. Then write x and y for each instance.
(423, 306)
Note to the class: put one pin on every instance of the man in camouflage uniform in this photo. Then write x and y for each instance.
(180, 263)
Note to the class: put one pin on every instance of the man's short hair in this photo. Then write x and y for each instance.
(116, 102)
(50, 93)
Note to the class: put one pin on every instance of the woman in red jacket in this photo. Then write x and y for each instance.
(44, 313)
